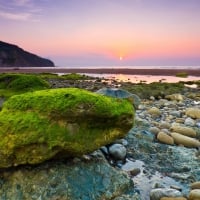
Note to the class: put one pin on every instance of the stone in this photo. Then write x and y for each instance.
(194, 194)
(173, 198)
(175, 113)
(117, 151)
(154, 130)
(193, 112)
(135, 171)
(158, 193)
(154, 111)
(189, 122)
(164, 124)
(190, 132)
(93, 179)
(185, 140)
(195, 185)
(57, 123)
(174, 97)
(164, 138)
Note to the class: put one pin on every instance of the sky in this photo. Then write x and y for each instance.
(105, 32)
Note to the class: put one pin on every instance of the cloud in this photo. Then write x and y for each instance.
(18, 16)
(19, 10)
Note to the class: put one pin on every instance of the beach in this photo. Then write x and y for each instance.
(128, 71)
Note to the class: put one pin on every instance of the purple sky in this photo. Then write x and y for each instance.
(99, 32)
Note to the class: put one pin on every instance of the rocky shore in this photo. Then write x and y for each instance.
(157, 160)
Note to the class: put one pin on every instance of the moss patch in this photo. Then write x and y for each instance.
(11, 84)
(36, 126)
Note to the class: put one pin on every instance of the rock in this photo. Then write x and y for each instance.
(135, 172)
(185, 140)
(117, 151)
(120, 93)
(46, 124)
(93, 179)
(158, 193)
(194, 194)
(164, 138)
(175, 113)
(193, 112)
(154, 111)
(189, 122)
(164, 124)
(184, 130)
(128, 197)
(173, 198)
(195, 185)
(154, 130)
(174, 97)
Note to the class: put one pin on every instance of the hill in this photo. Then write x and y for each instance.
(14, 56)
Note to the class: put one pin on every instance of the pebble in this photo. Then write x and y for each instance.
(158, 193)
(164, 138)
(135, 172)
(195, 185)
(154, 130)
(117, 151)
(189, 122)
(194, 194)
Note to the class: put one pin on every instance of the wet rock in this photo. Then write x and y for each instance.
(194, 194)
(195, 185)
(135, 172)
(164, 124)
(128, 197)
(154, 130)
(57, 123)
(173, 198)
(189, 122)
(193, 112)
(154, 112)
(94, 179)
(164, 138)
(117, 151)
(157, 194)
(185, 140)
(190, 132)
(174, 97)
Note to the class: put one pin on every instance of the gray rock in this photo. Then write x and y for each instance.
(93, 179)
(189, 122)
(158, 193)
(175, 113)
(154, 130)
(117, 151)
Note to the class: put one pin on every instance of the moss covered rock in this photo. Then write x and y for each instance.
(40, 125)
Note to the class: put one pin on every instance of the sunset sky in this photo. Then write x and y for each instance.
(105, 32)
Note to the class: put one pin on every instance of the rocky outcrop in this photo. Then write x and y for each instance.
(13, 56)
(41, 125)
(75, 179)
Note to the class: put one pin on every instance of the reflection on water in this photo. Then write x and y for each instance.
(145, 78)
(145, 181)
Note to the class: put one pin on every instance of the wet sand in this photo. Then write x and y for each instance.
(165, 72)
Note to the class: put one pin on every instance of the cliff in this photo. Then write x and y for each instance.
(14, 56)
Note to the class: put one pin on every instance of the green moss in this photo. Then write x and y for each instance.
(11, 84)
(154, 89)
(36, 126)
(182, 74)
(75, 76)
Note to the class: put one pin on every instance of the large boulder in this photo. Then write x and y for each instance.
(40, 125)
(93, 179)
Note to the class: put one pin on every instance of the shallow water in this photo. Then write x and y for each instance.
(145, 182)
(144, 78)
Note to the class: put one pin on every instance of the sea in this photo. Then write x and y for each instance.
(142, 78)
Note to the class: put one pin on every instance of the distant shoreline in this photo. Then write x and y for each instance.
(128, 71)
